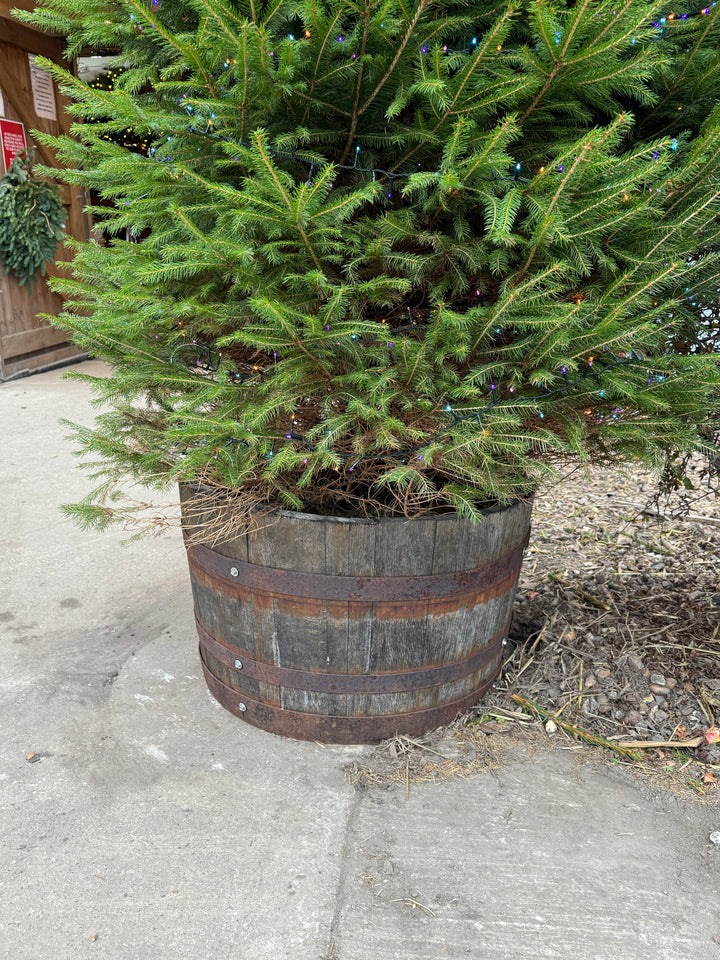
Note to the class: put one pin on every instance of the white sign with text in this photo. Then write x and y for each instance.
(43, 91)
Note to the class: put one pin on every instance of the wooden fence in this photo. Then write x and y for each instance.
(27, 343)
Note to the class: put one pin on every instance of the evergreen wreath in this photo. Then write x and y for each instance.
(32, 218)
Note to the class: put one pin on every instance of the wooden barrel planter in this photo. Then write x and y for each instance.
(351, 631)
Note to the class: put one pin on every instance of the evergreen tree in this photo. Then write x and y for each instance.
(397, 255)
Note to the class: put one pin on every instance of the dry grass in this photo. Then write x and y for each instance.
(442, 755)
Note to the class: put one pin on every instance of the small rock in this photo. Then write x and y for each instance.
(618, 714)
(550, 727)
(635, 660)
(633, 718)
(450, 749)
(670, 682)
(589, 706)
(660, 715)
(657, 678)
(603, 674)
(589, 681)
(659, 690)
(715, 837)
(614, 694)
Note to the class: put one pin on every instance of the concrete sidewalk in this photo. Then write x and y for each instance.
(156, 825)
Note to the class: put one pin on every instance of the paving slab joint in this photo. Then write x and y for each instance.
(341, 890)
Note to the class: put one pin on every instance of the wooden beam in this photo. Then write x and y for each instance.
(28, 341)
(40, 361)
(7, 5)
(20, 35)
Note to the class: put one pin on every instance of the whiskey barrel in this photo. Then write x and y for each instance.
(349, 630)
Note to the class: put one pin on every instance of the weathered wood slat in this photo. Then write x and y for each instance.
(19, 35)
(400, 553)
(374, 599)
(27, 341)
(289, 543)
(42, 361)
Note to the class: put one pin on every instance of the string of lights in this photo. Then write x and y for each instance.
(660, 25)
(594, 369)
(515, 174)
(208, 363)
(377, 173)
(129, 140)
(204, 362)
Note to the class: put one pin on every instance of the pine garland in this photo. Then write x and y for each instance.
(32, 219)
(395, 257)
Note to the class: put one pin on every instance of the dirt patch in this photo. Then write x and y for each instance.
(615, 638)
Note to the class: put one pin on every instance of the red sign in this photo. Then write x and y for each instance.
(13, 139)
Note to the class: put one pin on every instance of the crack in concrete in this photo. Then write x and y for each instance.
(341, 894)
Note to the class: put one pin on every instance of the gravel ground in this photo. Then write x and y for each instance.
(615, 640)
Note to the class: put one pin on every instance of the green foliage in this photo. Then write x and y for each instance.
(125, 137)
(394, 256)
(32, 219)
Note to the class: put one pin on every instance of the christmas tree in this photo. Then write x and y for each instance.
(396, 256)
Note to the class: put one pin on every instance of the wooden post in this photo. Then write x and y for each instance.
(26, 342)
